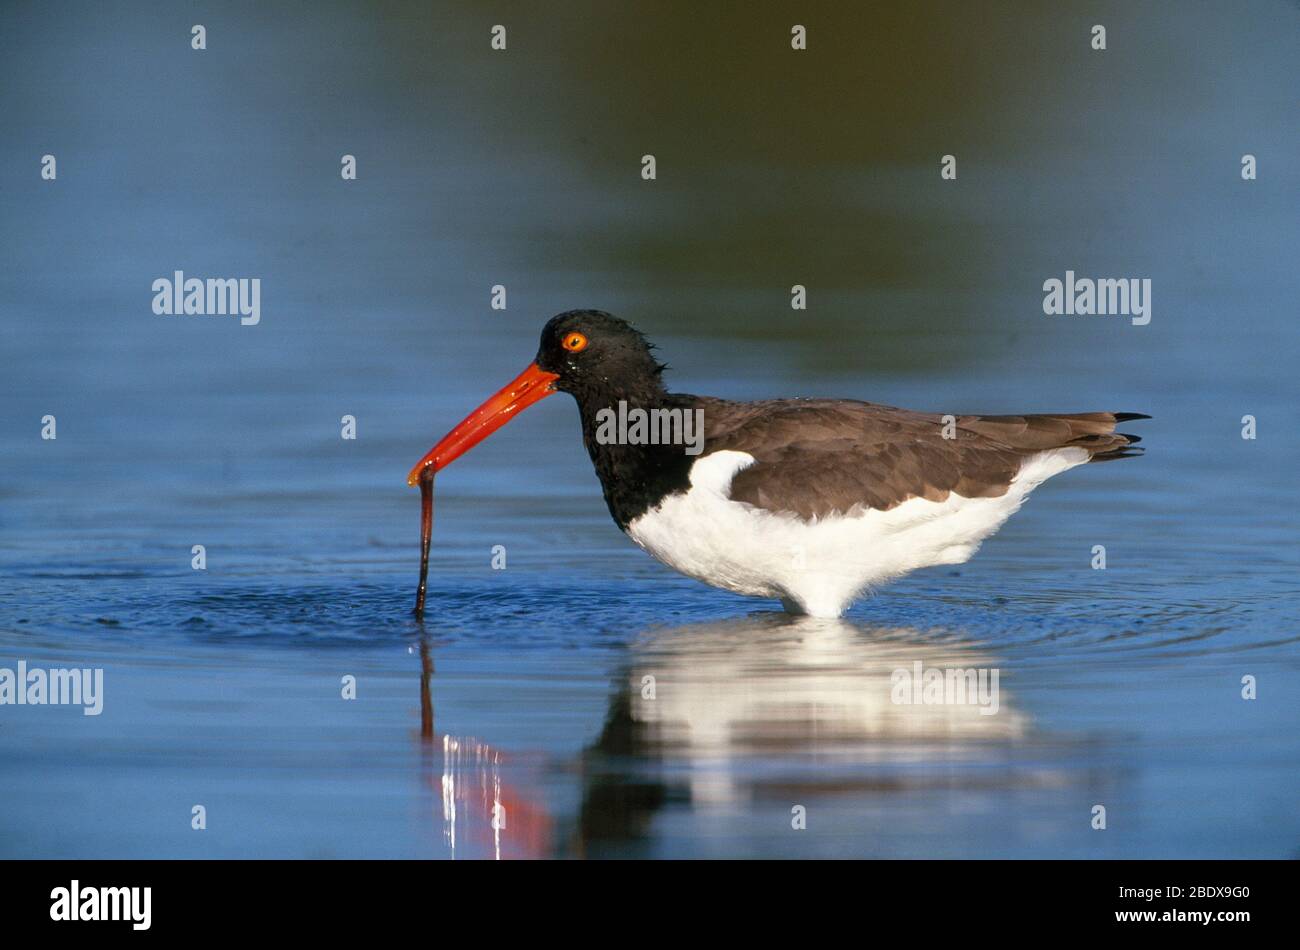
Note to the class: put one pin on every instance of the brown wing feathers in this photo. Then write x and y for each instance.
(814, 458)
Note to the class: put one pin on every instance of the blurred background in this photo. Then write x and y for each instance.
(523, 168)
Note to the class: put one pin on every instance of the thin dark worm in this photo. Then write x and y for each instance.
(426, 535)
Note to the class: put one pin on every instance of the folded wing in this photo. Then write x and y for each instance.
(814, 458)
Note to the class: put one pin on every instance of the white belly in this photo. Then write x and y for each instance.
(821, 567)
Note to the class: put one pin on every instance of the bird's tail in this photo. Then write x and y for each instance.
(1092, 431)
(1122, 444)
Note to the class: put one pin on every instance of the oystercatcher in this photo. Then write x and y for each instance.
(809, 501)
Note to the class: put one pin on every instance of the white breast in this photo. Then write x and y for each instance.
(821, 567)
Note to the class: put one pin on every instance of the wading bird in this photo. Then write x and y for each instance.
(809, 501)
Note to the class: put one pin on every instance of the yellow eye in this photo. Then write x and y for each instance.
(574, 342)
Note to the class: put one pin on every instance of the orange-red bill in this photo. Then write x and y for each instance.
(530, 386)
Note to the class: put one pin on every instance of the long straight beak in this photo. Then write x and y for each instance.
(530, 386)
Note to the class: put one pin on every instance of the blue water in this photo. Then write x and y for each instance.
(525, 687)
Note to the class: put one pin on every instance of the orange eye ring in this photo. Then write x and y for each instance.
(575, 342)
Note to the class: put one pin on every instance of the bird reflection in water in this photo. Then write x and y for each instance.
(483, 816)
(736, 718)
(722, 718)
